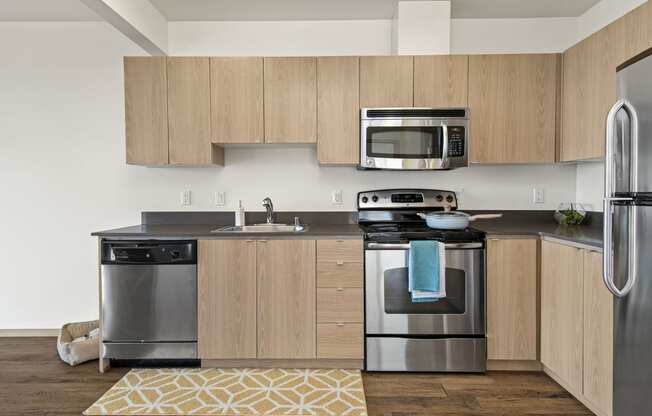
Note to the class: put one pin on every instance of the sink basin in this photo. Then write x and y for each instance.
(262, 228)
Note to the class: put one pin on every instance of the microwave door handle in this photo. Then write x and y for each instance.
(444, 151)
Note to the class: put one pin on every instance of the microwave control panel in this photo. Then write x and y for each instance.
(456, 141)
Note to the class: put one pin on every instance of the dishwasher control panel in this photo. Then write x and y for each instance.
(149, 252)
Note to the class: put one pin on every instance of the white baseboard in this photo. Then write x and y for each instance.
(49, 332)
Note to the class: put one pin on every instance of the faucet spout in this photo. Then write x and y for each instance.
(269, 207)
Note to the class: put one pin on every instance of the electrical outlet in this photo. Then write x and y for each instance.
(186, 198)
(336, 197)
(220, 198)
(539, 195)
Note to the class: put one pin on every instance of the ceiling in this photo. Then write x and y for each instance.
(45, 10)
(196, 10)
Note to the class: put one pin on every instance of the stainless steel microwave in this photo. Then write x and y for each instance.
(414, 138)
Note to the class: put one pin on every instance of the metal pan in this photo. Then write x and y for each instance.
(453, 220)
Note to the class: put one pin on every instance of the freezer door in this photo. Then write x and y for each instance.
(635, 87)
(633, 313)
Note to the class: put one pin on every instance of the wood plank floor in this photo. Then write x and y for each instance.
(34, 382)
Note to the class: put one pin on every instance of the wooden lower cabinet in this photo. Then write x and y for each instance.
(339, 340)
(577, 324)
(286, 298)
(258, 302)
(226, 319)
(561, 312)
(598, 336)
(512, 299)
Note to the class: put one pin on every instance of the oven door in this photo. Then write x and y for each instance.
(410, 144)
(390, 310)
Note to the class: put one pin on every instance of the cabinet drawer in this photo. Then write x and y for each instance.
(340, 305)
(342, 274)
(346, 251)
(340, 341)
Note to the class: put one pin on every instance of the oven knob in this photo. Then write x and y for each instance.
(365, 199)
(449, 198)
(374, 198)
(439, 198)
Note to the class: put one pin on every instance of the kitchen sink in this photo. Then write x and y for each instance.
(262, 228)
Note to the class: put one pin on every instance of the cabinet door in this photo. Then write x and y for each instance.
(638, 30)
(576, 140)
(286, 299)
(290, 100)
(237, 100)
(338, 110)
(441, 81)
(146, 114)
(386, 81)
(512, 299)
(189, 111)
(562, 312)
(226, 299)
(513, 102)
(598, 335)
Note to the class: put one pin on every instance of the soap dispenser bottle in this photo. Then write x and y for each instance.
(240, 215)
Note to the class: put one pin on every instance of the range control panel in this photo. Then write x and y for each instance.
(456, 141)
(407, 198)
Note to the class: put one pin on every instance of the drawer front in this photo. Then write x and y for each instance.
(340, 305)
(331, 274)
(333, 251)
(340, 341)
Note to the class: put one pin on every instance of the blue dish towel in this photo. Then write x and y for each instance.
(426, 271)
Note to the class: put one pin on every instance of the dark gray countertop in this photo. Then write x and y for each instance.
(190, 231)
(343, 225)
(201, 224)
(541, 223)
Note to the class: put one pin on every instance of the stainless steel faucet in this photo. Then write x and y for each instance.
(267, 203)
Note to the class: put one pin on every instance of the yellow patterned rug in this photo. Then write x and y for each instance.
(250, 391)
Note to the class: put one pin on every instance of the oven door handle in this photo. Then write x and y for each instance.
(392, 246)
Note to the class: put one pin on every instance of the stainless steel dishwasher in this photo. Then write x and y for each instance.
(149, 299)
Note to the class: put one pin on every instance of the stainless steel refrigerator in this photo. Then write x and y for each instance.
(628, 235)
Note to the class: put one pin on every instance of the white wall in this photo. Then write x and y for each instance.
(64, 176)
(547, 35)
(283, 38)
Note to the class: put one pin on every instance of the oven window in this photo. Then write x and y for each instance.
(398, 300)
(405, 142)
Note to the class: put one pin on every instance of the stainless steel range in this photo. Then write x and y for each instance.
(447, 335)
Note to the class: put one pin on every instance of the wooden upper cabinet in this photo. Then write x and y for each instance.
(237, 100)
(338, 110)
(290, 100)
(226, 299)
(576, 139)
(598, 336)
(286, 299)
(189, 112)
(441, 81)
(513, 102)
(386, 81)
(512, 299)
(637, 25)
(146, 110)
(561, 312)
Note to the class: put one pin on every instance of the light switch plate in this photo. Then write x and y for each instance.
(220, 198)
(539, 195)
(186, 198)
(336, 197)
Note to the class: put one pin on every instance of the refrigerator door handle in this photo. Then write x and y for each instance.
(607, 275)
(609, 199)
(609, 151)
